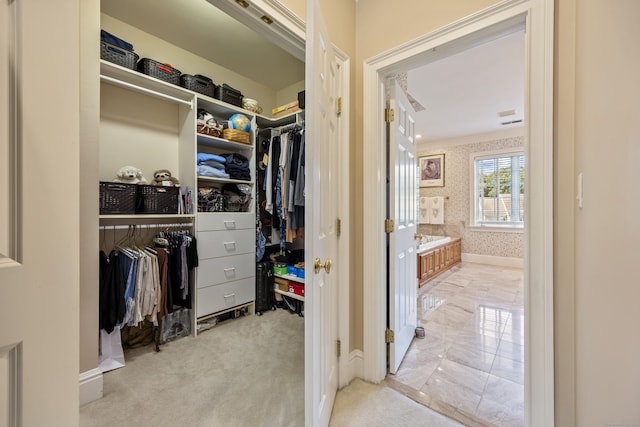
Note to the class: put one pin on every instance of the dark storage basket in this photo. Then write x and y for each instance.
(155, 199)
(117, 55)
(117, 198)
(228, 94)
(198, 83)
(155, 69)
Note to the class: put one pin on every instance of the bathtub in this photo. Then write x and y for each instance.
(431, 242)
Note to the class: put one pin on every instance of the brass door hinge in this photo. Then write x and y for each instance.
(389, 336)
(339, 106)
(388, 225)
(389, 115)
(338, 227)
(338, 349)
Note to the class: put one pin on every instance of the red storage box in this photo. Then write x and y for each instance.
(296, 288)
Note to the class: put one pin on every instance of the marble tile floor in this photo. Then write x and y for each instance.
(470, 364)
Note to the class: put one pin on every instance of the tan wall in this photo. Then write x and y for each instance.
(607, 230)
(288, 94)
(89, 122)
(564, 211)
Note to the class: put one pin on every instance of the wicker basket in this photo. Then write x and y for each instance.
(209, 127)
(237, 136)
(117, 198)
(156, 199)
(117, 55)
(160, 71)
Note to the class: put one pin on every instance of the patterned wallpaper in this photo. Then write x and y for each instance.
(457, 188)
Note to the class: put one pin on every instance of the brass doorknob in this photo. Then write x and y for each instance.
(317, 265)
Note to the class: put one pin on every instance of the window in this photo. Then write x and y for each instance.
(498, 189)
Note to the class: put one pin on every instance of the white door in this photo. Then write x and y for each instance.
(321, 361)
(403, 285)
(39, 205)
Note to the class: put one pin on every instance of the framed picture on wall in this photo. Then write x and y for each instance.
(432, 171)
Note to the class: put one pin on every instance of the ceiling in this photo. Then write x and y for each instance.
(464, 93)
(201, 28)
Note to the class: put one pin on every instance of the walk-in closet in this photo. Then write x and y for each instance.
(201, 173)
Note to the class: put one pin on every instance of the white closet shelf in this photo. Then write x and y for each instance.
(223, 180)
(111, 73)
(221, 109)
(289, 294)
(290, 277)
(213, 142)
(270, 122)
(145, 219)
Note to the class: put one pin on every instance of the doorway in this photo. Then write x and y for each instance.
(539, 249)
(467, 308)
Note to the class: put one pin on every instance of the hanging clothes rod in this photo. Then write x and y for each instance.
(145, 90)
(287, 128)
(147, 226)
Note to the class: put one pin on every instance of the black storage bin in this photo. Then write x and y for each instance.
(228, 94)
(160, 71)
(155, 199)
(117, 198)
(198, 83)
(117, 55)
(301, 99)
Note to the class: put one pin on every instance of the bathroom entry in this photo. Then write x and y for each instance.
(453, 188)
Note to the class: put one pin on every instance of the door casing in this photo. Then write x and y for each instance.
(538, 16)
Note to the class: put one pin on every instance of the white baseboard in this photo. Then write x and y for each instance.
(356, 365)
(494, 260)
(90, 386)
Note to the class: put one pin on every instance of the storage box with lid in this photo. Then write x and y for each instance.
(198, 83)
(160, 71)
(229, 95)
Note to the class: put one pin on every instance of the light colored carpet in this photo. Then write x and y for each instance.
(364, 404)
(243, 372)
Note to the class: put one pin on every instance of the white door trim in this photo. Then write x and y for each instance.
(539, 362)
(345, 371)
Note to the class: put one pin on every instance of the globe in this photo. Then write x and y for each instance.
(240, 122)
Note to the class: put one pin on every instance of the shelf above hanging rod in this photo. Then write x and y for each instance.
(147, 226)
(144, 90)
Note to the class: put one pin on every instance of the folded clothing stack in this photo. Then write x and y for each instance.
(212, 165)
(237, 166)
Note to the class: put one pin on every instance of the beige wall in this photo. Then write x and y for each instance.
(89, 122)
(564, 211)
(607, 152)
(288, 94)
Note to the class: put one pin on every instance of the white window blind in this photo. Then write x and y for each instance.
(499, 190)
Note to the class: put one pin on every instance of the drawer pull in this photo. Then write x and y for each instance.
(230, 271)
(230, 245)
(230, 224)
(230, 295)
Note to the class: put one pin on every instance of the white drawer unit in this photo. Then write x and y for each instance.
(220, 222)
(213, 244)
(224, 296)
(214, 271)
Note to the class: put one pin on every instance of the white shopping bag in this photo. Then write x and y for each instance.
(111, 354)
